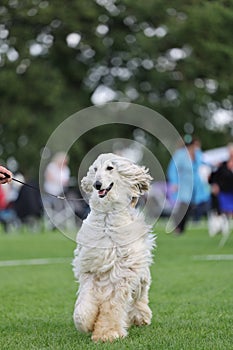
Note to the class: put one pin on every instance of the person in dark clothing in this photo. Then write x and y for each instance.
(28, 205)
(221, 181)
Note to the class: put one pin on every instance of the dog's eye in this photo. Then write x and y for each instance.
(95, 169)
(109, 168)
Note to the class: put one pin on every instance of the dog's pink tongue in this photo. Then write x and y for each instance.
(102, 192)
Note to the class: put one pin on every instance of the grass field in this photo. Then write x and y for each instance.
(191, 297)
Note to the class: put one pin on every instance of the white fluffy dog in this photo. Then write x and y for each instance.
(114, 251)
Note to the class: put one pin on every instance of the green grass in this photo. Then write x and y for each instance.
(191, 300)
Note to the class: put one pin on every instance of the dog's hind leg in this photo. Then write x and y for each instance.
(86, 309)
(140, 313)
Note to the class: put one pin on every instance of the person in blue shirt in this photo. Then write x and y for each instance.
(186, 185)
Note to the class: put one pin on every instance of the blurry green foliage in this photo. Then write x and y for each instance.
(175, 57)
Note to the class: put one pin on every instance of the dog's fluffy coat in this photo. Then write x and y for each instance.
(114, 251)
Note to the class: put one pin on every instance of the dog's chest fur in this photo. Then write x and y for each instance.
(113, 241)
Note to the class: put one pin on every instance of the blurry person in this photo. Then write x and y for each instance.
(56, 181)
(3, 178)
(221, 181)
(12, 190)
(28, 205)
(202, 192)
(7, 215)
(186, 186)
(57, 174)
(3, 203)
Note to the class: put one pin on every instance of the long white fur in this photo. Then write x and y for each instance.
(114, 252)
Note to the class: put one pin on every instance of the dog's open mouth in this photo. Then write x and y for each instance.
(104, 192)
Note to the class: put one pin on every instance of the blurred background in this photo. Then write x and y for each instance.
(57, 58)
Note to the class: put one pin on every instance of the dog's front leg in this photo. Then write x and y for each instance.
(112, 320)
(86, 308)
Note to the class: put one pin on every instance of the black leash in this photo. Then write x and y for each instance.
(37, 189)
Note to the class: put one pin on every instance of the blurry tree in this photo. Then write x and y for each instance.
(59, 57)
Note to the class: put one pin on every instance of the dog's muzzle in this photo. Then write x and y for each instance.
(104, 191)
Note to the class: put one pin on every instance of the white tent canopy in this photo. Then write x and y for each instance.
(215, 156)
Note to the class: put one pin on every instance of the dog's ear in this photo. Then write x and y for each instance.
(142, 180)
(87, 181)
(137, 177)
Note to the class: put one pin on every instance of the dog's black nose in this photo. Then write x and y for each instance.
(97, 185)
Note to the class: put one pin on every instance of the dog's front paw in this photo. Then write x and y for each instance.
(108, 336)
(143, 317)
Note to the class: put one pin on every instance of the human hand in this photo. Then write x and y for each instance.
(5, 175)
(215, 189)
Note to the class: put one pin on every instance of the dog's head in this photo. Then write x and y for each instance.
(111, 174)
